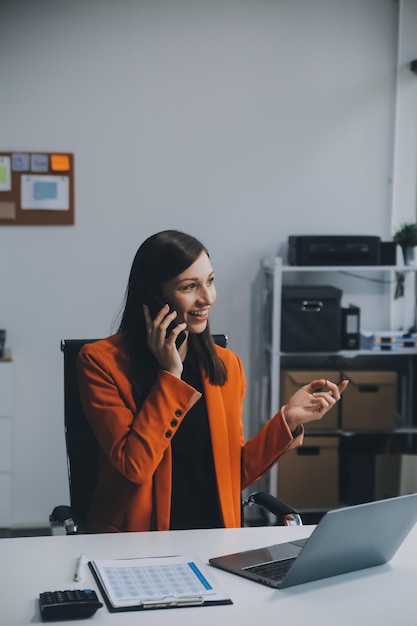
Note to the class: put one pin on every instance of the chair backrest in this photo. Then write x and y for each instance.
(82, 446)
(81, 443)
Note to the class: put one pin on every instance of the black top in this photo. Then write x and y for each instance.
(194, 502)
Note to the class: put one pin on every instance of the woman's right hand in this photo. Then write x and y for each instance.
(162, 347)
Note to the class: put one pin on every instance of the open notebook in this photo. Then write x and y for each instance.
(345, 540)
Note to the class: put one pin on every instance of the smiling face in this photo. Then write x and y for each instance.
(192, 293)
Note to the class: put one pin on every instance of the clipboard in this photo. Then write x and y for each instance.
(155, 583)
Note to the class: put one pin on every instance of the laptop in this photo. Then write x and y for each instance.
(345, 540)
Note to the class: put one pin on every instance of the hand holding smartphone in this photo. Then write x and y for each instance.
(155, 304)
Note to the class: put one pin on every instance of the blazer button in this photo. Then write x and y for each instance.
(178, 412)
(168, 434)
(174, 423)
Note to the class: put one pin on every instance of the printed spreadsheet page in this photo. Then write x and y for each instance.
(144, 581)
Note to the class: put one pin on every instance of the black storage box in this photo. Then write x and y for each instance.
(311, 319)
(367, 477)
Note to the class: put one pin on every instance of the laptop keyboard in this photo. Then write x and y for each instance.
(275, 570)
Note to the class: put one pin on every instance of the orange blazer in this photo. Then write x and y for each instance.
(133, 491)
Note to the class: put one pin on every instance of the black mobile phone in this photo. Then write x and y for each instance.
(155, 304)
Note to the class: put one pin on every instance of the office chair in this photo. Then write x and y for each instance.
(83, 454)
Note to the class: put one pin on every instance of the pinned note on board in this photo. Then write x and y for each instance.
(45, 193)
(60, 162)
(5, 179)
(7, 210)
(39, 163)
(20, 161)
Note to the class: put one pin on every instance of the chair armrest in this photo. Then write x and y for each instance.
(281, 509)
(63, 516)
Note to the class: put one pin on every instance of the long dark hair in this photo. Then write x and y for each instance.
(160, 258)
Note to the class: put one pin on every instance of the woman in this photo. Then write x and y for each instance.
(168, 414)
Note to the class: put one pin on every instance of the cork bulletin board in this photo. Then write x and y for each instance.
(36, 188)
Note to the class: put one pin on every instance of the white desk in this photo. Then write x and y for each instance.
(384, 595)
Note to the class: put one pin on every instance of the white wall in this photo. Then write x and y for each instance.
(405, 130)
(240, 122)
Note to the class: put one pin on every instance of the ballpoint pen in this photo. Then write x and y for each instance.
(80, 563)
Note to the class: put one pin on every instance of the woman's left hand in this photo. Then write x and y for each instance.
(312, 402)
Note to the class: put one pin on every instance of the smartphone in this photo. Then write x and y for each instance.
(155, 304)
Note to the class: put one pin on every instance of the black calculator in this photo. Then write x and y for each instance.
(68, 604)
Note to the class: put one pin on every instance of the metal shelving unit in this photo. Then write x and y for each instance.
(275, 272)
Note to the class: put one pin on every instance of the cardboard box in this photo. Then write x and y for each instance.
(370, 401)
(308, 477)
(292, 380)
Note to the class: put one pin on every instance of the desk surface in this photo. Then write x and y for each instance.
(383, 595)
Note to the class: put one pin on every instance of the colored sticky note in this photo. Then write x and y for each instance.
(20, 161)
(3, 174)
(39, 163)
(60, 162)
